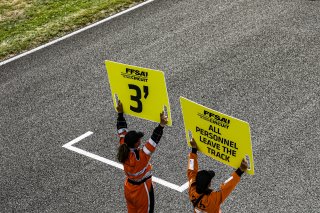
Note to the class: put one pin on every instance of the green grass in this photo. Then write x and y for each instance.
(25, 24)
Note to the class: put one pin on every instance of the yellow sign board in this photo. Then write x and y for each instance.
(222, 137)
(142, 91)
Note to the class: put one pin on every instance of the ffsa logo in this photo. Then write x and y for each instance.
(216, 117)
(135, 74)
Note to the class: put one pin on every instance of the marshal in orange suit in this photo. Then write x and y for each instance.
(204, 199)
(138, 189)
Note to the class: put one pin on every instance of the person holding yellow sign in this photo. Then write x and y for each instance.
(202, 197)
(138, 189)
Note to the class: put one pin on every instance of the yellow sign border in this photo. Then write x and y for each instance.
(155, 82)
(240, 149)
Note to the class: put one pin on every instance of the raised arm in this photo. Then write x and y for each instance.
(121, 123)
(150, 146)
(228, 186)
(192, 163)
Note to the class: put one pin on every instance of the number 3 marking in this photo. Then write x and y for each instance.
(137, 97)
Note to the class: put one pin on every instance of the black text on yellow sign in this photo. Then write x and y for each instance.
(142, 91)
(222, 137)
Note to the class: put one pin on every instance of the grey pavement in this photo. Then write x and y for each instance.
(255, 60)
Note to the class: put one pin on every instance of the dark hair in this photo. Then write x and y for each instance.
(206, 191)
(123, 152)
(203, 180)
(130, 139)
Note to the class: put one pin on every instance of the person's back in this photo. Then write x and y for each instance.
(138, 187)
(202, 197)
(137, 166)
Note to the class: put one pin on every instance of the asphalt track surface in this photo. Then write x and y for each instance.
(255, 60)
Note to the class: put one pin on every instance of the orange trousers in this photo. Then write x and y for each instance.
(140, 198)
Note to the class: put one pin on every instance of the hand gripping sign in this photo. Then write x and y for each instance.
(142, 91)
(217, 135)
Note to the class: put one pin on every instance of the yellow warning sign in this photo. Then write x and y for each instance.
(222, 137)
(142, 91)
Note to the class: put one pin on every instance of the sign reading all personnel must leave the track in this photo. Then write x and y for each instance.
(142, 91)
(222, 137)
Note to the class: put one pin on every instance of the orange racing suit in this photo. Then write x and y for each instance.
(209, 203)
(138, 187)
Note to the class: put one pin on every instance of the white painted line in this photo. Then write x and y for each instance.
(165, 183)
(115, 164)
(78, 139)
(96, 157)
(184, 187)
(74, 33)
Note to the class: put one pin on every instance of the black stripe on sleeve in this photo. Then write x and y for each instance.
(121, 121)
(194, 150)
(157, 133)
(239, 172)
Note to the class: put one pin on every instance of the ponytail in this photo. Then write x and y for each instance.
(123, 153)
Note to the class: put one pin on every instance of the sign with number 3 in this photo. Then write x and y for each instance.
(142, 91)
